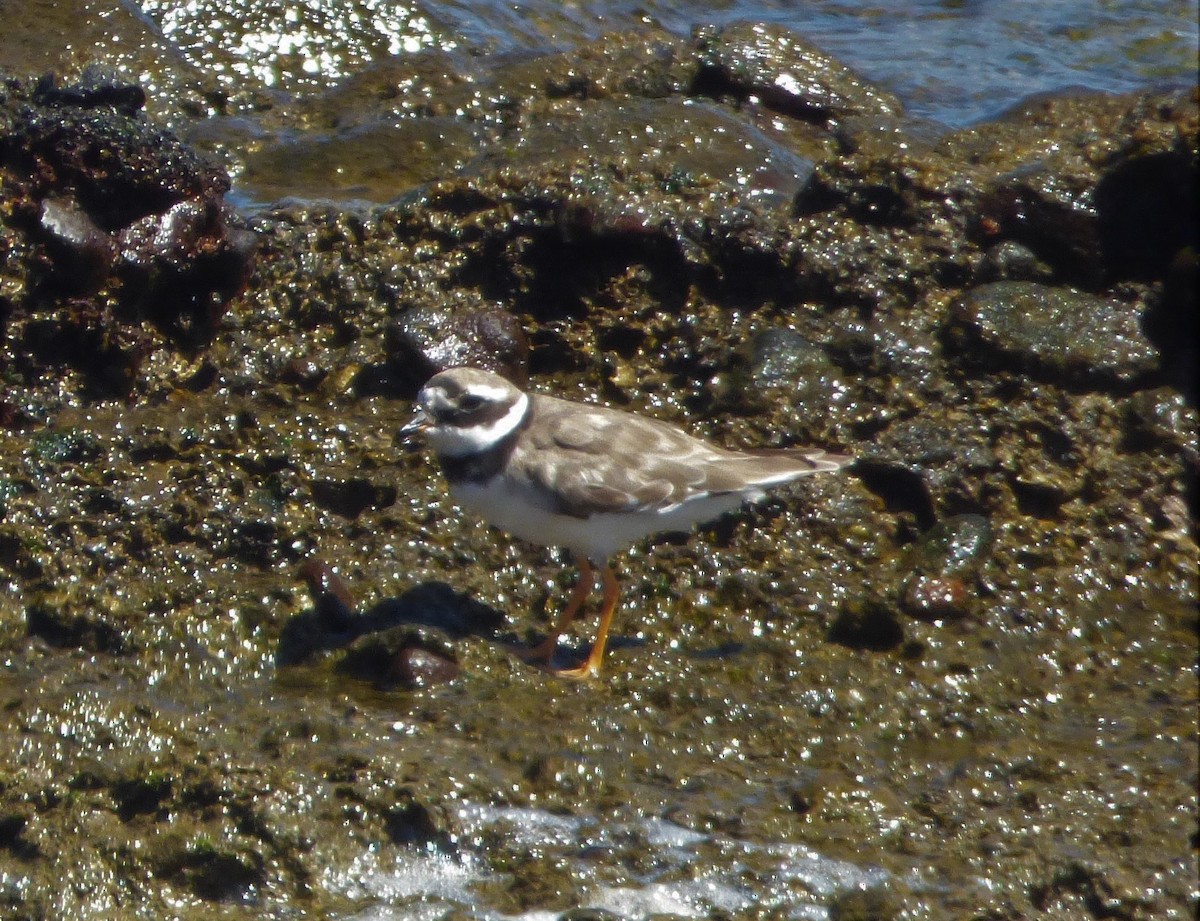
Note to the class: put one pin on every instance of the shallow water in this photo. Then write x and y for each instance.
(956, 62)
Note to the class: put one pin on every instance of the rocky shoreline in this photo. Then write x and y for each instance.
(970, 662)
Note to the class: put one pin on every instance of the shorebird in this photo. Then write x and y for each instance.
(590, 479)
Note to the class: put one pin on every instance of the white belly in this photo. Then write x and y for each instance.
(522, 514)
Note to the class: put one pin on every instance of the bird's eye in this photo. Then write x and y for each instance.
(470, 402)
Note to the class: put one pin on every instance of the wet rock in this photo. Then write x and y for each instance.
(426, 340)
(350, 498)
(650, 63)
(427, 83)
(253, 540)
(372, 163)
(84, 252)
(875, 903)
(892, 173)
(1159, 418)
(141, 794)
(64, 623)
(928, 465)
(1097, 196)
(867, 624)
(95, 88)
(944, 566)
(695, 148)
(411, 823)
(773, 64)
(782, 364)
(407, 658)
(122, 225)
(1072, 883)
(935, 598)
(331, 597)
(1013, 261)
(782, 357)
(214, 870)
(1065, 334)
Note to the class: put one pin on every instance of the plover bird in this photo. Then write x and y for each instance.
(594, 480)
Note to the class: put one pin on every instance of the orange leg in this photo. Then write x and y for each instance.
(544, 650)
(591, 666)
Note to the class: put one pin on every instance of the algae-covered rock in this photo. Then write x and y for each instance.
(1070, 335)
(787, 73)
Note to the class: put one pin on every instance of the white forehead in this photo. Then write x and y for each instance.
(435, 396)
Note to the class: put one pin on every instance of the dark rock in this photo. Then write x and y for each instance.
(83, 253)
(350, 498)
(411, 823)
(1057, 332)
(1053, 212)
(95, 88)
(784, 72)
(1095, 210)
(254, 540)
(944, 566)
(1172, 323)
(1157, 419)
(1013, 261)
(868, 903)
(218, 871)
(331, 597)
(1144, 217)
(426, 340)
(401, 657)
(867, 624)
(141, 794)
(782, 365)
(121, 224)
(63, 624)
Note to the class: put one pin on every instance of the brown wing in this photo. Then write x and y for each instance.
(588, 459)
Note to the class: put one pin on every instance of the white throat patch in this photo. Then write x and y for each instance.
(463, 441)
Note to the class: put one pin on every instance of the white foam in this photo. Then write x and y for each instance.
(694, 874)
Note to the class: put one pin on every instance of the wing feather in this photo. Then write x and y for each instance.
(587, 460)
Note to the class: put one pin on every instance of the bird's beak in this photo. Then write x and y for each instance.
(418, 423)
